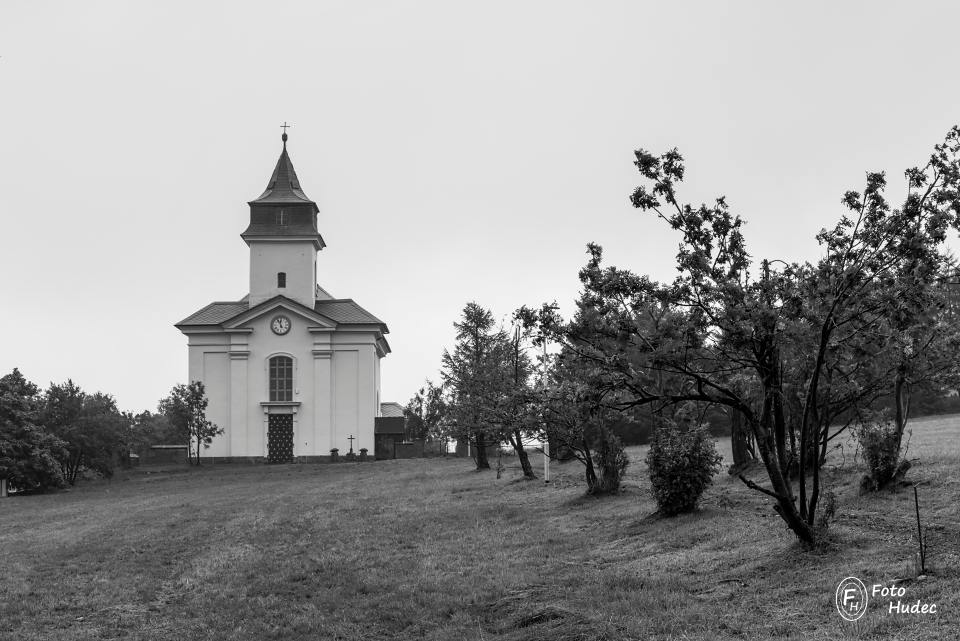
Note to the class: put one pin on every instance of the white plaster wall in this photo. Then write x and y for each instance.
(296, 258)
(216, 382)
(298, 344)
(336, 381)
(345, 368)
(360, 368)
(208, 363)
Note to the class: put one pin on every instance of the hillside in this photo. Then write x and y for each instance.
(430, 549)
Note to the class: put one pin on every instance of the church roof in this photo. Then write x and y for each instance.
(345, 311)
(216, 313)
(284, 186)
(342, 311)
(391, 409)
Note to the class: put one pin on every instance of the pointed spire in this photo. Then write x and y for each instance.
(284, 186)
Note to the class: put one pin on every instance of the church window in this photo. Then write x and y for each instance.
(283, 218)
(281, 279)
(281, 379)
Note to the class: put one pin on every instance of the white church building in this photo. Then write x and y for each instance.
(290, 371)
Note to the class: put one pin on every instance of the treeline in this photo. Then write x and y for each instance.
(788, 356)
(54, 438)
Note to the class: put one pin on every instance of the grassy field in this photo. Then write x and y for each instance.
(431, 549)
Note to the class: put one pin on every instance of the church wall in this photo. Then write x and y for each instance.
(296, 259)
(322, 401)
(207, 354)
(366, 396)
(345, 417)
(236, 429)
(363, 393)
(298, 344)
(336, 382)
(376, 400)
(216, 382)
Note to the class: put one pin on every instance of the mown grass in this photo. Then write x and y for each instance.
(431, 549)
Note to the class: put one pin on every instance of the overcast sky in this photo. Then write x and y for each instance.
(457, 151)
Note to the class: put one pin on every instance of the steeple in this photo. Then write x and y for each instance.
(284, 186)
(283, 209)
(283, 239)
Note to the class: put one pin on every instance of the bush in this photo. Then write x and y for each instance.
(881, 452)
(611, 463)
(682, 463)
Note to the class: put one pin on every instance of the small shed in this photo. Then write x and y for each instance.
(388, 432)
(164, 455)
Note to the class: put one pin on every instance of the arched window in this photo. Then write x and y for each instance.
(281, 378)
(281, 279)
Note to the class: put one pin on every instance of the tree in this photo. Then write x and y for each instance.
(472, 374)
(576, 420)
(514, 409)
(425, 413)
(790, 349)
(90, 425)
(147, 428)
(185, 410)
(28, 454)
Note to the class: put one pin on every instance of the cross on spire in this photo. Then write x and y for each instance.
(284, 126)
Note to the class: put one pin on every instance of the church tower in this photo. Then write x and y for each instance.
(283, 239)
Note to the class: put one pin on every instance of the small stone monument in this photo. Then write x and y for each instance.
(335, 455)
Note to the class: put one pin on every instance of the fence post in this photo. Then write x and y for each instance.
(546, 461)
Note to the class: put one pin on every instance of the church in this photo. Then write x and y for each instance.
(291, 373)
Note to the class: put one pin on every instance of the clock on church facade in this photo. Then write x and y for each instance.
(290, 371)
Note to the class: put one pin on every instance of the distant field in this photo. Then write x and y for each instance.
(431, 549)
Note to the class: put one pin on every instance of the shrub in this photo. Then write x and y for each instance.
(611, 463)
(682, 463)
(879, 443)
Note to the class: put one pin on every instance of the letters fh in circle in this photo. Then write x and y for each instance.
(851, 598)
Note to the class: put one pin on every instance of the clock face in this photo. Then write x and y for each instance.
(280, 325)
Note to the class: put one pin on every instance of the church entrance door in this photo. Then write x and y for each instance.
(280, 438)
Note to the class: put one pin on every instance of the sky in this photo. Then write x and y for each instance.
(458, 151)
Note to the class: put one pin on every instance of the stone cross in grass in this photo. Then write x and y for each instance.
(351, 443)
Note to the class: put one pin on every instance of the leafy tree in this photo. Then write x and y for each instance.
(28, 454)
(185, 410)
(790, 350)
(577, 420)
(425, 413)
(90, 425)
(148, 429)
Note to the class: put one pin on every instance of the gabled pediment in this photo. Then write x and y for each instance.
(272, 306)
